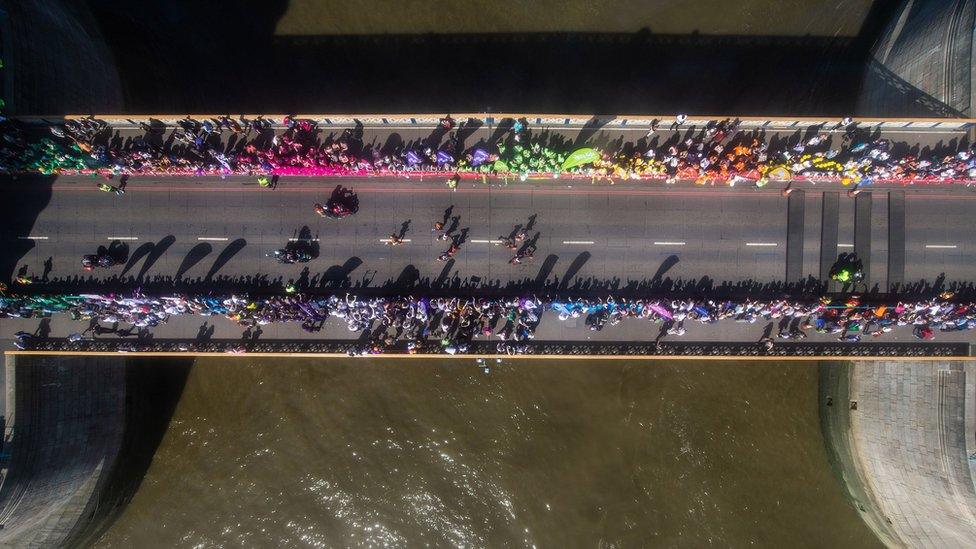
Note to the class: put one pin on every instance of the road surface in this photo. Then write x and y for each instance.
(206, 229)
(209, 234)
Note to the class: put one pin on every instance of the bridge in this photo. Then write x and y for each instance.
(593, 237)
(626, 238)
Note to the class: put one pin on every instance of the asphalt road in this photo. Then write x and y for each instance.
(205, 230)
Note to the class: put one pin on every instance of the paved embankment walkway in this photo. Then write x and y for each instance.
(904, 432)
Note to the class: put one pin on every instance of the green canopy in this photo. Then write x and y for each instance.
(580, 157)
(500, 166)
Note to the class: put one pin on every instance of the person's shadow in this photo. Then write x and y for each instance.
(403, 229)
(43, 330)
(48, 267)
(205, 333)
(252, 333)
(447, 213)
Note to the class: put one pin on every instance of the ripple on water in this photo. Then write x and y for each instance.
(561, 453)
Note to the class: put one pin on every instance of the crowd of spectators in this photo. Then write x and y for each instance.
(388, 322)
(716, 152)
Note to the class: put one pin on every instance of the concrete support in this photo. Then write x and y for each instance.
(901, 434)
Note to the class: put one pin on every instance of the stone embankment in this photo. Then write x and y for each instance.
(901, 437)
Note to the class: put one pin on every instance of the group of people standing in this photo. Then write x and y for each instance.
(450, 324)
(718, 151)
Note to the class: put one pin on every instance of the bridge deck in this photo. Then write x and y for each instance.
(209, 234)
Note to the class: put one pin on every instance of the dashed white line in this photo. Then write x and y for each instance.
(303, 240)
(214, 238)
(122, 238)
(941, 246)
(667, 243)
(762, 244)
(578, 242)
(482, 241)
(388, 240)
(32, 237)
(845, 245)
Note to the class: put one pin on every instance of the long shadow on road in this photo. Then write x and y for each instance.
(574, 268)
(225, 256)
(194, 256)
(151, 251)
(337, 276)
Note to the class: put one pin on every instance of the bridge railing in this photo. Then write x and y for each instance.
(535, 348)
(553, 121)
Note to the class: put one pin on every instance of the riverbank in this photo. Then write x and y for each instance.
(899, 436)
(80, 434)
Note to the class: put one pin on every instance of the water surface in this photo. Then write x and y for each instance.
(296, 452)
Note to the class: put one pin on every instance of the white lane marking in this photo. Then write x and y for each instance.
(479, 241)
(667, 243)
(388, 240)
(303, 240)
(941, 246)
(32, 237)
(578, 242)
(845, 245)
(214, 238)
(122, 238)
(763, 244)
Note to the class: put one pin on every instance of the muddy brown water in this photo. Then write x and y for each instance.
(561, 453)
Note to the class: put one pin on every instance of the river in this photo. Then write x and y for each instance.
(560, 453)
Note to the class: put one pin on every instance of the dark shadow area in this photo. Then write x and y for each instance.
(153, 389)
(671, 261)
(118, 250)
(336, 275)
(48, 267)
(546, 269)
(886, 94)
(194, 256)
(304, 243)
(43, 330)
(408, 278)
(205, 333)
(343, 200)
(102, 419)
(151, 251)
(225, 256)
(574, 268)
(19, 213)
(638, 72)
(338, 279)
(443, 277)
(56, 61)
